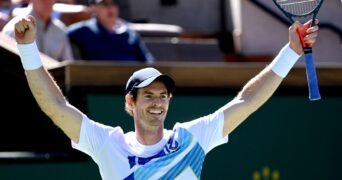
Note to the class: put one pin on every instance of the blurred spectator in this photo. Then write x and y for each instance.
(69, 12)
(5, 11)
(52, 39)
(106, 36)
(5, 6)
(4, 18)
(20, 3)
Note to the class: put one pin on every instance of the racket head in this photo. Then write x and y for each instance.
(298, 8)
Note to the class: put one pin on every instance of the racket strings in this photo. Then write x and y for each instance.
(298, 7)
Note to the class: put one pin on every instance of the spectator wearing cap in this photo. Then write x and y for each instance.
(52, 39)
(106, 36)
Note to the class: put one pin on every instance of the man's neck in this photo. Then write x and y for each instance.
(149, 137)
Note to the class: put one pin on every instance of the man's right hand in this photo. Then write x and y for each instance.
(25, 30)
(310, 37)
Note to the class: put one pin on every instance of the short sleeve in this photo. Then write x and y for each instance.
(208, 130)
(93, 136)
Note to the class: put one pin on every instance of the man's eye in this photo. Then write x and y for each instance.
(148, 96)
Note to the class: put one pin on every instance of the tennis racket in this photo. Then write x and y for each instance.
(302, 9)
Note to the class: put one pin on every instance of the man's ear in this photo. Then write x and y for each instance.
(129, 99)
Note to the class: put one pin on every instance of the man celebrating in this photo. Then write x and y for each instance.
(152, 152)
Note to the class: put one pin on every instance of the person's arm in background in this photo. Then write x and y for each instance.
(43, 87)
(71, 13)
(142, 51)
(8, 27)
(260, 88)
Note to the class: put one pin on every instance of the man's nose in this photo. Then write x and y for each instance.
(157, 101)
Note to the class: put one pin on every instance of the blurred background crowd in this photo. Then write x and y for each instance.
(166, 30)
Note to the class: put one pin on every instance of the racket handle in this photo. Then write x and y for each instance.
(311, 75)
(301, 31)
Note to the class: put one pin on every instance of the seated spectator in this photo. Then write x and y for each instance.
(52, 39)
(106, 36)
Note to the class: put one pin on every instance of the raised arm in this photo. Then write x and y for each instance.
(260, 88)
(42, 85)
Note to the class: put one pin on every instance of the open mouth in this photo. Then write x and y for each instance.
(156, 111)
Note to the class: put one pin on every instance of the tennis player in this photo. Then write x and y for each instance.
(151, 152)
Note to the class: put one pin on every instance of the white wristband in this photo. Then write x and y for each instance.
(29, 55)
(284, 61)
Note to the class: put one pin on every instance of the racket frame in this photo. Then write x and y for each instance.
(311, 75)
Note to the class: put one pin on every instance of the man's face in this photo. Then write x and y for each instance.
(44, 5)
(107, 12)
(151, 105)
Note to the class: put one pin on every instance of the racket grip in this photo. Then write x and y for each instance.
(302, 33)
(311, 75)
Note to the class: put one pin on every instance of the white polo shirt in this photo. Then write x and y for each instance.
(179, 154)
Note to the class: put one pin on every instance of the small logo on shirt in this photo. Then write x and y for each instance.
(170, 146)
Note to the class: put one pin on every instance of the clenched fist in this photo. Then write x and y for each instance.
(310, 35)
(25, 30)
